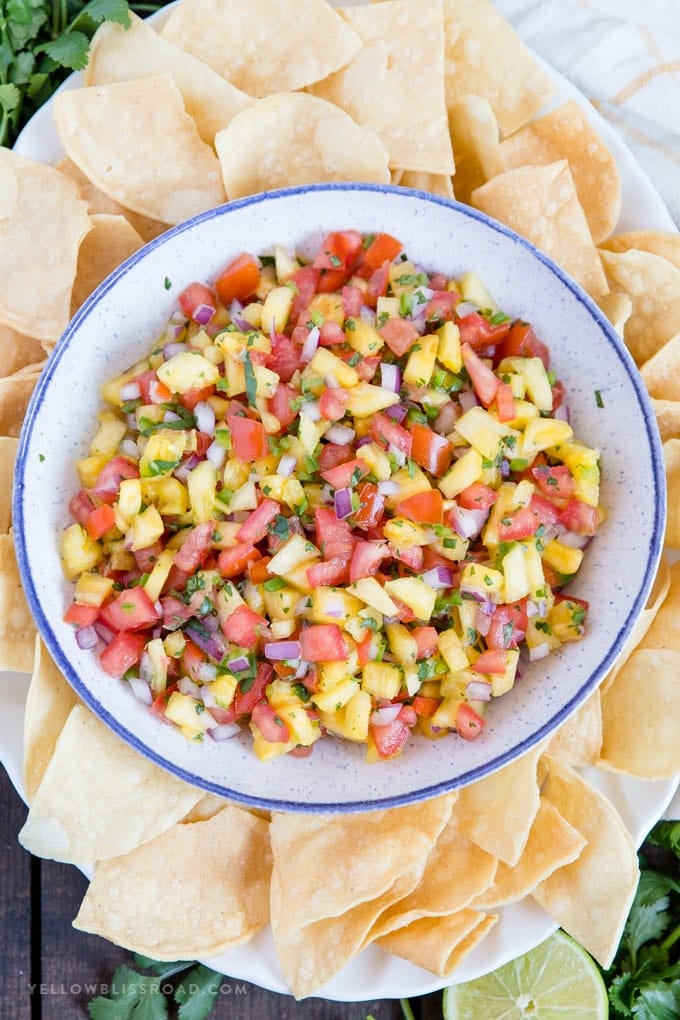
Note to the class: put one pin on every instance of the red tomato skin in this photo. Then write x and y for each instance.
(239, 279)
(305, 281)
(193, 296)
(508, 625)
(429, 450)
(484, 381)
(108, 481)
(281, 404)
(195, 548)
(245, 701)
(388, 432)
(423, 507)
(521, 341)
(555, 482)
(245, 628)
(328, 573)
(284, 358)
(518, 525)
(580, 517)
(333, 404)
(399, 335)
(333, 454)
(265, 718)
(477, 496)
(366, 559)
(81, 616)
(323, 642)
(372, 506)
(342, 476)
(131, 610)
(468, 723)
(81, 506)
(122, 654)
(479, 333)
(248, 438)
(233, 562)
(490, 661)
(383, 248)
(256, 527)
(333, 537)
(427, 640)
(100, 520)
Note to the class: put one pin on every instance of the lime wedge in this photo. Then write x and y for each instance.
(555, 981)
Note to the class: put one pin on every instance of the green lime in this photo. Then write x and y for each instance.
(555, 981)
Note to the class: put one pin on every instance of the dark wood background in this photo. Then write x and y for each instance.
(49, 971)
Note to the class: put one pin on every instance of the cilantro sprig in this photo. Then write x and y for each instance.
(135, 995)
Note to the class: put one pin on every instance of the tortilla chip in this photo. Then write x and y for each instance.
(476, 148)
(295, 138)
(207, 807)
(640, 719)
(512, 794)
(653, 285)
(552, 843)
(590, 898)
(121, 54)
(8, 453)
(17, 351)
(437, 184)
(617, 308)
(393, 841)
(577, 742)
(17, 630)
(485, 57)
(661, 373)
(111, 240)
(566, 133)
(658, 242)
(48, 704)
(98, 202)
(671, 456)
(263, 46)
(15, 393)
(137, 143)
(394, 86)
(121, 800)
(193, 891)
(541, 204)
(440, 944)
(667, 414)
(37, 201)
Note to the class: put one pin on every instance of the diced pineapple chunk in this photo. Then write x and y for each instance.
(381, 679)
(565, 559)
(405, 534)
(420, 365)
(452, 651)
(280, 604)
(516, 576)
(146, 528)
(332, 605)
(463, 472)
(223, 689)
(336, 697)
(189, 714)
(325, 363)
(244, 498)
(88, 469)
(158, 661)
(483, 431)
(536, 382)
(266, 381)
(449, 349)
(411, 481)
(276, 309)
(566, 619)
(201, 486)
(92, 589)
(473, 290)
(447, 713)
(172, 497)
(162, 453)
(414, 593)
(583, 462)
(235, 474)
(187, 371)
(174, 644)
(153, 585)
(485, 581)
(357, 716)
(541, 433)
(401, 643)
(301, 727)
(266, 750)
(112, 429)
(328, 306)
(377, 460)
(130, 498)
(363, 337)
(294, 551)
(370, 591)
(366, 400)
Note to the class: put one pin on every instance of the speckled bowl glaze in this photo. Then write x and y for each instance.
(117, 325)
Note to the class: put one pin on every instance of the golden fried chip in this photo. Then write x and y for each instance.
(566, 133)
(661, 374)
(653, 285)
(640, 719)
(111, 240)
(38, 202)
(512, 794)
(671, 456)
(15, 393)
(119, 801)
(485, 57)
(590, 898)
(118, 53)
(552, 843)
(17, 351)
(658, 242)
(440, 944)
(369, 853)
(667, 414)
(8, 453)
(17, 630)
(137, 143)
(264, 46)
(541, 204)
(476, 147)
(98, 202)
(193, 891)
(578, 740)
(394, 86)
(48, 704)
(617, 308)
(437, 184)
(294, 138)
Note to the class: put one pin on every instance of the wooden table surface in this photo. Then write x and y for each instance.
(49, 971)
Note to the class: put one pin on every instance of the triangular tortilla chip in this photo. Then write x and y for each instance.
(658, 242)
(476, 147)
(48, 705)
(17, 630)
(15, 393)
(17, 351)
(440, 944)
(661, 374)
(653, 285)
(111, 240)
(667, 414)
(671, 456)
(578, 740)
(8, 453)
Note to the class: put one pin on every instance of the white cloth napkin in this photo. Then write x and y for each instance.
(624, 56)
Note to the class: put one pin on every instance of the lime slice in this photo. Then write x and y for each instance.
(555, 981)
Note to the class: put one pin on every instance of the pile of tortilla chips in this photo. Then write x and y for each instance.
(233, 97)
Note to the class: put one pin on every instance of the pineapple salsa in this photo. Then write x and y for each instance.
(338, 497)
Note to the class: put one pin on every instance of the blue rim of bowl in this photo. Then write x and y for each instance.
(273, 804)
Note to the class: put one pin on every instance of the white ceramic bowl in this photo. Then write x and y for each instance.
(117, 325)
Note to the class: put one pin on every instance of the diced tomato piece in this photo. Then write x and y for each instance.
(521, 341)
(390, 739)
(425, 507)
(131, 610)
(101, 520)
(233, 562)
(323, 642)
(81, 506)
(377, 285)
(399, 335)
(545, 511)
(411, 556)
(122, 654)
(195, 298)
(271, 726)
(477, 496)
(429, 450)
(479, 333)
(508, 625)
(366, 650)
(468, 723)
(333, 403)
(284, 358)
(522, 523)
(305, 281)
(328, 573)
(490, 661)
(339, 250)
(331, 333)
(281, 404)
(558, 394)
(383, 248)
(244, 627)
(195, 547)
(505, 403)
(441, 306)
(175, 612)
(580, 517)
(352, 300)
(555, 481)
(258, 572)
(333, 454)
(367, 367)
(248, 438)
(275, 540)
(372, 506)
(81, 616)
(250, 692)
(483, 379)
(161, 703)
(425, 706)
(239, 279)
(190, 398)
(107, 486)
(427, 640)
(333, 537)
(366, 559)
(192, 659)
(387, 432)
(345, 475)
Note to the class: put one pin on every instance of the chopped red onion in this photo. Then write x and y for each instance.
(212, 644)
(130, 449)
(572, 538)
(465, 308)
(446, 419)
(206, 672)
(187, 686)
(301, 671)
(171, 416)
(238, 664)
(105, 633)
(467, 399)
(368, 315)
(397, 412)
(223, 731)
(539, 651)
(385, 715)
(203, 314)
(216, 454)
(389, 487)
(343, 503)
(310, 409)
(86, 637)
(482, 622)
(310, 345)
(340, 434)
(478, 690)
(182, 471)
(141, 690)
(536, 607)
(278, 650)
(331, 382)
(390, 377)
(172, 348)
(466, 522)
(235, 309)
(364, 441)
(205, 417)
(130, 391)
(287, 465)
(439, 577)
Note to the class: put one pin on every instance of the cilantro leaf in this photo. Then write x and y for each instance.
(658, 1001)
(197, 992)
(67, 50)
(126, 989)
